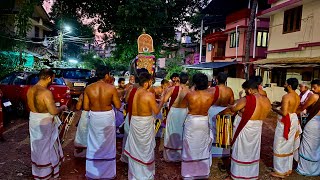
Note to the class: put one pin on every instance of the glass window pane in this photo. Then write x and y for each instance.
(264, 39)
(259, 39)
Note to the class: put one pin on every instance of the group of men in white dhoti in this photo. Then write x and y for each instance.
(202, 123)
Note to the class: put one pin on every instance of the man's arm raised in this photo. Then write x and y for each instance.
(128, 91)
(310, 101)
(241, 103)
(86, 101)
(79, 103)
(166, 96)
(284, 106)
(49, 102)
(231, 101)
(115, 99)
(153, 104)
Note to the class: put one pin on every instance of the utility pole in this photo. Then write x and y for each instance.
(249, 37)
(60, 44)
(201, 32)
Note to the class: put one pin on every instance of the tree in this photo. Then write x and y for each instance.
(80, 34)
(249, 37)
(126, 19)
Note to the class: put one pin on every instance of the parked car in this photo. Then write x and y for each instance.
(15, 87)
(75, 78)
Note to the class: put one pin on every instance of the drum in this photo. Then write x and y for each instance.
(224, 131)
(66, 118)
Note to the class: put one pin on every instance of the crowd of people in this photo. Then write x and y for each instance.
(202, 121)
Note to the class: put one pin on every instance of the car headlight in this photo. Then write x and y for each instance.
(68, 91)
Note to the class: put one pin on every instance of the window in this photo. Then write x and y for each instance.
(209, 47)
(292, 20)
(307, 76)
(262, 39)
(19, 81)
(233, 37)
(76, 74)
(6, 80)
(36, 31)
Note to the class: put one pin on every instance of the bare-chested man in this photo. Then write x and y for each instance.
(174, 79)
(121, 88)
(246, 142)
(258, 80)
(126, 123)
(159, 90)
(196, 154)
(46, 152)
(177, 114)
(287, 131)
(132, 81)
(140, 143)
(218, 112)
(101, 151)
(309, 151)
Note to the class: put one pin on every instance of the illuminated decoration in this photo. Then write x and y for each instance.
(146, 61)
(145, 43)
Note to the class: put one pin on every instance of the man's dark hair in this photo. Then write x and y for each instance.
(144, 77)
(184, 77)
(293, 82)
(164, 81)
(173, 75)
(316, 82)
(258, 79)
(102, 71)
(222, 77)
(45, 73)
(201, 81)
(121, 79)
(250, 84)
(139, 71)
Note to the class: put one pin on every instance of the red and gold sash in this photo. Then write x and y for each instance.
(130, 102)
(246, 115)
(174, 96)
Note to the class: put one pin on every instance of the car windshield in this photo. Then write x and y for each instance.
(76, 74)
(56, 81)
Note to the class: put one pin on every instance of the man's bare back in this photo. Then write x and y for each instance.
(39, 98)
(144, 103)
(199, 102)
(178, 103)
(263, 105)
(290, 103)
(100, 96)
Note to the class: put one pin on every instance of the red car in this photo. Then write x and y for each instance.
(15, 87)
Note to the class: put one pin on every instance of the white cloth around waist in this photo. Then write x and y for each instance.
(140, 141)
(101, 135)
(197, 138)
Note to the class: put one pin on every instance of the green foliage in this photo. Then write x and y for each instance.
(125, 20)
(62, 16)
(173, 65)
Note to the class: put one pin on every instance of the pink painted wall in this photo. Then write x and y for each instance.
(262, 24)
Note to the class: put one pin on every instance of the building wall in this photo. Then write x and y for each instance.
(308, 33)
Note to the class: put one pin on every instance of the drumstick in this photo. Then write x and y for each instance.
(217, 130)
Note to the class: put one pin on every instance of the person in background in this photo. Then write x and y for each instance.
(99, 99)
(197, 137)
(286, 137)
(46, 150)
(309, 151)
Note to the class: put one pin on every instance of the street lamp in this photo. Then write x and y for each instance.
(73, 61)
(68, 30)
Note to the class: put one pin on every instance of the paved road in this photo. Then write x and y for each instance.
(15, 157)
